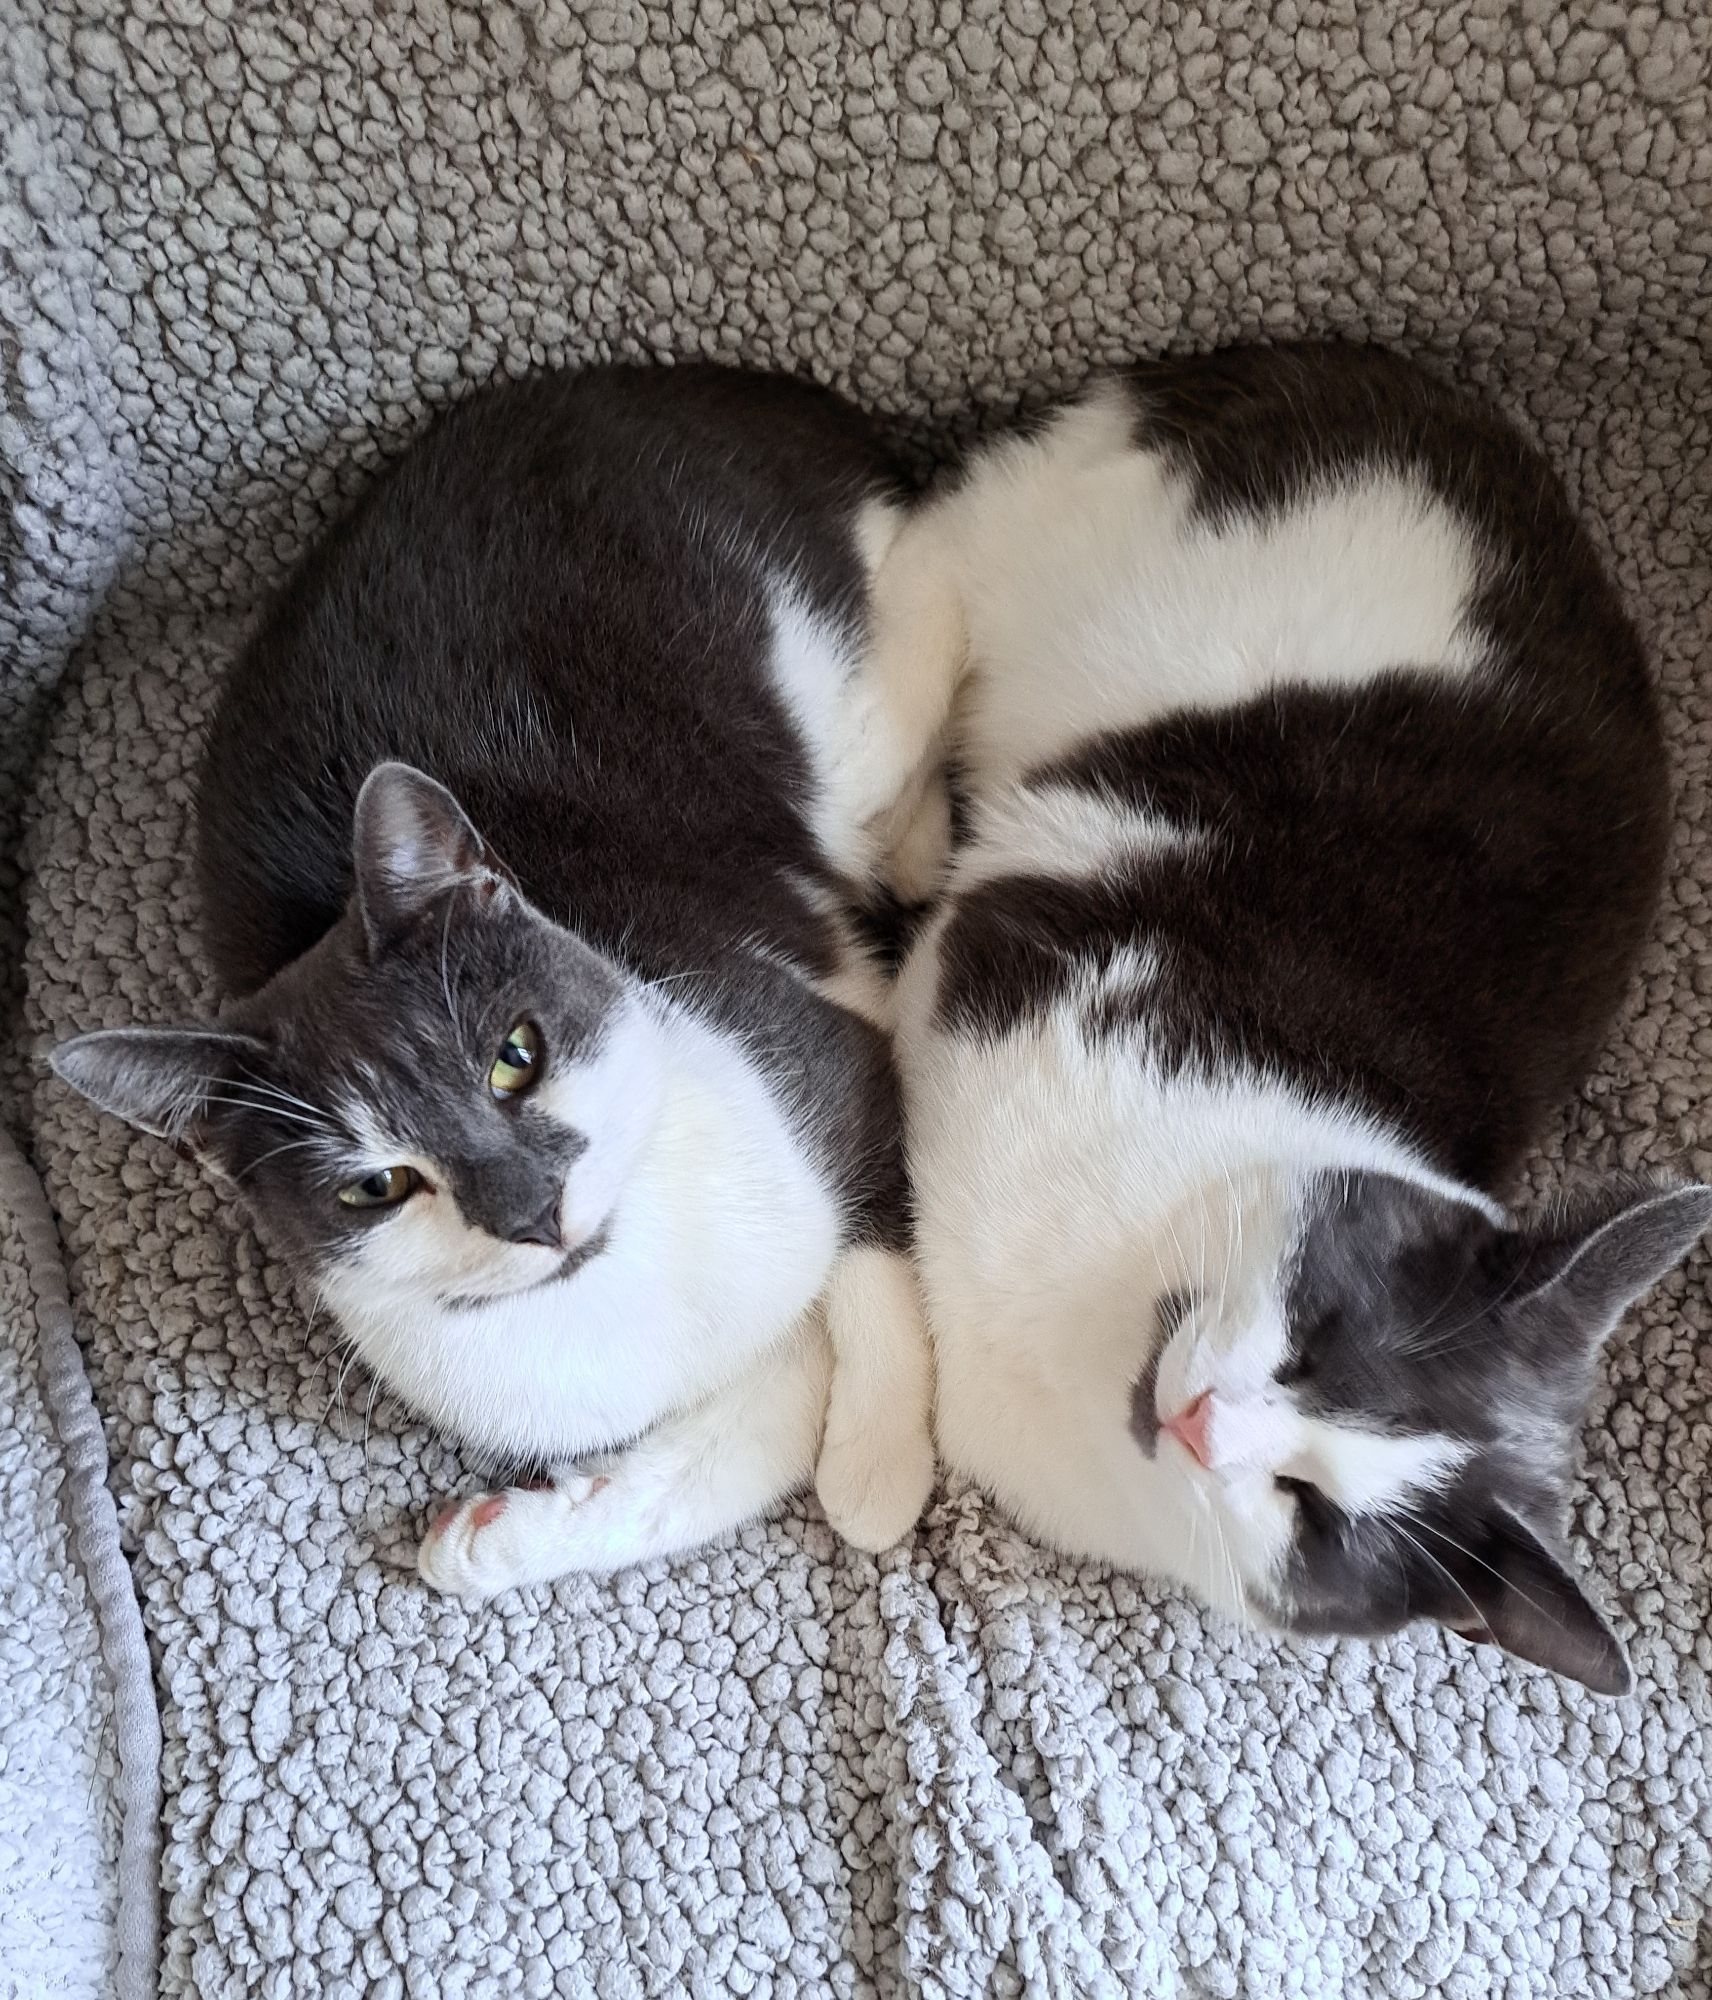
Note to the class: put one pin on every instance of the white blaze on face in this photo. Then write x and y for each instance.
(1372, 1472)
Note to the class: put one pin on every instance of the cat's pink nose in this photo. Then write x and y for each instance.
(1189, 1427)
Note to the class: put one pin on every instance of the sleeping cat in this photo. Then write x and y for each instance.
(548, 1054)
(1316, 809)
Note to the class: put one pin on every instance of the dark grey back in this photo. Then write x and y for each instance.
(547, 604)
(1427, 897)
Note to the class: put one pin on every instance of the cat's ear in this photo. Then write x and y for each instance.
(1518, 1595)
(158, 1079)
(1580, 1277)
(411, 843)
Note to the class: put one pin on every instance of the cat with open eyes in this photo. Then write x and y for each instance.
(525, 832)
(1316, 808)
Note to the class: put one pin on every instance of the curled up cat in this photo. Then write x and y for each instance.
(526, 832)
(1316, 807)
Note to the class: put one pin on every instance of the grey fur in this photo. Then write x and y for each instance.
(1414, 1314)
(252, 243)
(395, 1016)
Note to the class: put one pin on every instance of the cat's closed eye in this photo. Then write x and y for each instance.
(1308, 1342)
(385, 1189)
(1311, 1506)
(517, 1067)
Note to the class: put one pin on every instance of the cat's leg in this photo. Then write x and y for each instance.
(917, 650)
(915, 837)
(687, 1481)
(876, 1458)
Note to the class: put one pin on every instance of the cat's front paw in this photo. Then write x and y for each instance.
(874, 1488)
(502, 1541)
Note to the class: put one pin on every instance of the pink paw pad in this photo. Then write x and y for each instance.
(488, 1511)
(443, 1520)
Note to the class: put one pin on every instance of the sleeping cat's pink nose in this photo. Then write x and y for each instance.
(1189, 1427)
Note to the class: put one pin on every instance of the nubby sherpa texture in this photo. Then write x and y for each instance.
(61, 1793)
(243, 250)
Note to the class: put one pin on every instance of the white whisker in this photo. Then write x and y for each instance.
(1427, 1555)
(445, 982)
(315, 1124)
(273, 1153)
(1462, 1548)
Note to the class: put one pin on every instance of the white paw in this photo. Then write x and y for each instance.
(874, 1488)
(502, 1541)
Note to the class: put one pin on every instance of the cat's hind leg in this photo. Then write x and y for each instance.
(687, 1481)
(914, 661)
(876, 1458)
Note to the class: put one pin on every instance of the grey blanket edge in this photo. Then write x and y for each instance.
(94, 1521)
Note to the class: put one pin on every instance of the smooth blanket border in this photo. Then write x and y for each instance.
(119, 1617)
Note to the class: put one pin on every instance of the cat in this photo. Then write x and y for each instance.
(526, 830)
(1314, 808)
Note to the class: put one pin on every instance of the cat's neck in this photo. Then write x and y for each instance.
(722, 1140)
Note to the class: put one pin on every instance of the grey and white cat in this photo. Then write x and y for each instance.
(1316, 809)
(525, 828)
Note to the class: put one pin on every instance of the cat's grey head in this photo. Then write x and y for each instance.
(436, 1105)
(1381, 1424)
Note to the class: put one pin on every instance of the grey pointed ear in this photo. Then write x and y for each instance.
(1521, 1597)
(1587, 1276)
(158, 1079)
(411, 842)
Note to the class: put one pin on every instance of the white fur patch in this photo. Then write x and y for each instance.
(1064, 1183)
(1123, 976)
(1062, 831)
(1095, 600)
(1367, 1472)
(852, 739)
(720, 1232)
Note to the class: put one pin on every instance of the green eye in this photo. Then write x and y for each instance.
(518, 1062)
(383, 1190)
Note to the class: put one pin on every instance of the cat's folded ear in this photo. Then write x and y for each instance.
(161, 1080)
(1516, 1594)
(411, 843)
(1581, 1274)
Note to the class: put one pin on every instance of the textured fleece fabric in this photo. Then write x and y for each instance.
(59, 1792)
(243, 250)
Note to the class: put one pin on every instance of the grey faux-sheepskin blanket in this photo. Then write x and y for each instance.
(244, 247)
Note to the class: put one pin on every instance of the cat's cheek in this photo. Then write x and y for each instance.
(423, 1251)
(1254, 1541)
(609, 1104)
(592, 1191)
